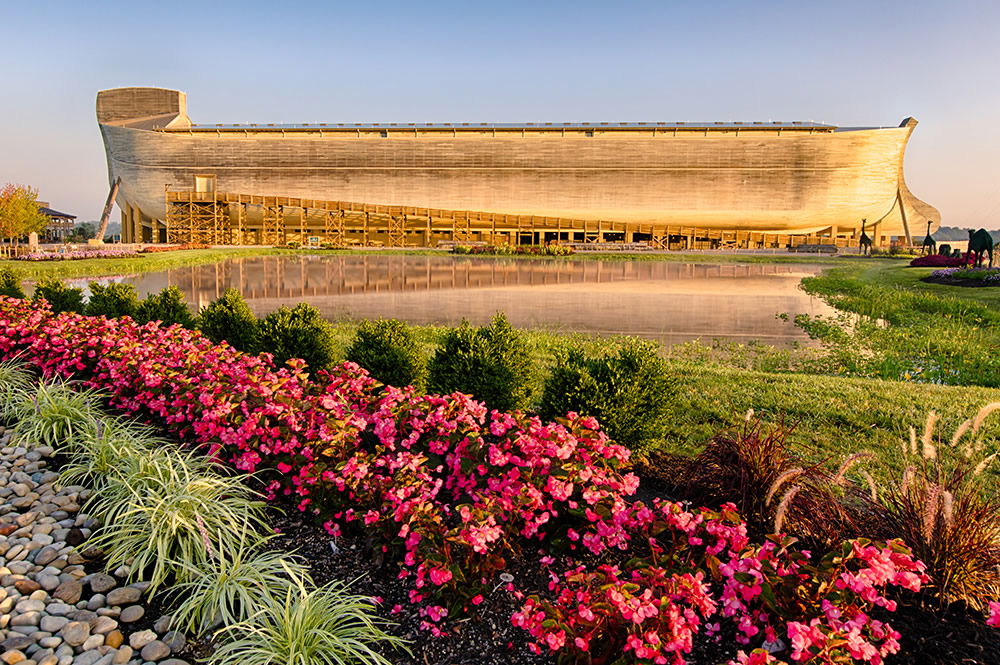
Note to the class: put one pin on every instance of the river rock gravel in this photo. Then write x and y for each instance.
(52, 611)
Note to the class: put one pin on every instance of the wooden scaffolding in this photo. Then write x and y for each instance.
(226, 218)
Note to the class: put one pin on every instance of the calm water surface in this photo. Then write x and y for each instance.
(671, 302)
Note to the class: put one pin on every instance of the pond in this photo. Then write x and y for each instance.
(667, 301)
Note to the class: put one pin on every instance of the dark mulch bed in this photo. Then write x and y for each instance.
(951, 637)
(485, 638)
(972, 283)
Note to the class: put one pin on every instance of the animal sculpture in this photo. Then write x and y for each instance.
(980, 242)
(865, 243)
(930, 244)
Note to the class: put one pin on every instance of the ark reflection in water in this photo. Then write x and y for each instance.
(672, 302)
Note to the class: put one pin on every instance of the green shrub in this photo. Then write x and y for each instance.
(112, 300)
(61, 298)
(299, 332)
(325, 626)
(628, 389)
(390, 353)
(54, 415)
(231, 589)
(492, 363)
(167, 517)
(168, 306)
(229, 319)
(10, 284)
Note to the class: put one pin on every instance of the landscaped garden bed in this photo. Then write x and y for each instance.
(965, 276)
(80, 254)
(468, 514)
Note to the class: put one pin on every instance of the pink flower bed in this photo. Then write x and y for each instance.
(938, 261)
(80, 254)
(452, 493)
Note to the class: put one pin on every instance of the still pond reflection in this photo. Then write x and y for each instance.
(671, 302)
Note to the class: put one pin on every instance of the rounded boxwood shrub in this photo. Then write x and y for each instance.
(390, 353)
(299, 332)
(230, 319)
(628, 389)
(112, 300)
(61, 298)
(168, 306)
(492, 363)
(10, 284)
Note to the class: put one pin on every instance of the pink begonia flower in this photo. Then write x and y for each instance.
(994, 618)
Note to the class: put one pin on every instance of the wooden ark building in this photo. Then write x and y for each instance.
(674, 185)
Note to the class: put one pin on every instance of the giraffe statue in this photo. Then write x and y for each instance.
(865, 243)
(930, 244)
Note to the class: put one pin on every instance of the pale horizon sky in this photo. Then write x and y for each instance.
(845, 63)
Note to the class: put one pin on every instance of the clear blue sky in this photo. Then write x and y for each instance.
(846, 63)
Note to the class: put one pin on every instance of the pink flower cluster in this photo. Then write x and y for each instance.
(653, 607)
(450, 489)
(700, 572)
(78, 254)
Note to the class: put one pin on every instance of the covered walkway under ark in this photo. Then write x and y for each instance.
(203, 215)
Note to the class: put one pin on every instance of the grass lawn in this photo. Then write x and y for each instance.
(899, 274)
(834, 416)
(32, 270)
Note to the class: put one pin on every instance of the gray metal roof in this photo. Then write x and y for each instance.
(55, 213)
(520, 125)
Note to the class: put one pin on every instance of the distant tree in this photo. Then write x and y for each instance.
(83, 232)
(19, 212)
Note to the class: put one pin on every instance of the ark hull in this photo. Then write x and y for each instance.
(636, 178)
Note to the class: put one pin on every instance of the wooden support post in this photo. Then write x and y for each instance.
(902, 213)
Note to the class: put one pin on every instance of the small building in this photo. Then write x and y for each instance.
(60, 223)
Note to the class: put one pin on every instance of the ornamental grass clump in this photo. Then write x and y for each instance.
(491, 363)
(299, 332)
(112, 300)
(390, 353)
(629, 389)
(165, 517)
(61, 298)
(168, 307)
(56, 415)
(229, 319)
(232, 589)
(324, 626)
(776, 490)
(15, 385)
(944, 509)
(102, 453)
